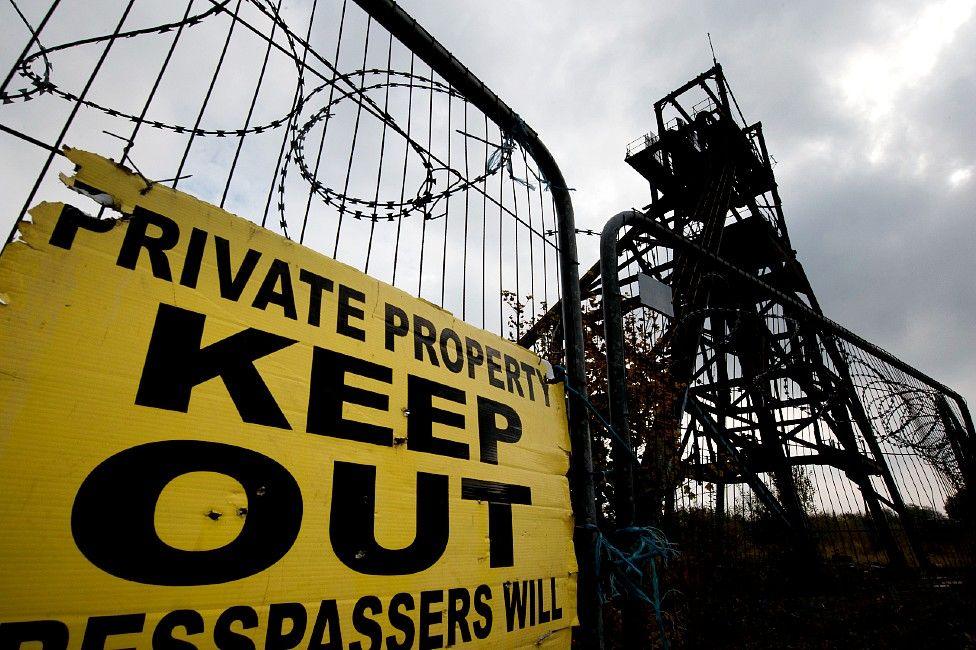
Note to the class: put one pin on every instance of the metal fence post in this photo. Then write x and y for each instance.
(426, 47)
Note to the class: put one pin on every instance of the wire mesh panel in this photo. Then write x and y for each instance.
(340, 124)
(921, 435)
(309, 118)
(851, 428)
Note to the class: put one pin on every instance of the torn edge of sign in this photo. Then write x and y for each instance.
(90, 168)
(88, 175)
(82, 160)
(102, 198)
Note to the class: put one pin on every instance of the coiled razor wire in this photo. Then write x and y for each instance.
(907, 412)
(41, 83)
(431, 189)
(426, 195)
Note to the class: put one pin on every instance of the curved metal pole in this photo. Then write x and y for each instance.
(418, 40)
(623, 467)
(613, 333)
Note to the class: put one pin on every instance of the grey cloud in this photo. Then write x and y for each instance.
(888, 248)
(888, 245)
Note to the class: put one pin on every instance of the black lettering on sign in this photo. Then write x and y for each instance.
(232, 284)
(190, 620)
(397, 324)
(423, 415)
(268, 293)
(544, 383)
(138, 238)
(500, 497)
(528, 596)
(544, 614)
(227, 639)
(449, 336)
(429, 618)
(490, 433)
(557, 612)
(531, 602)
(328, 392)
(100, 628)
(512, 372)
(52, 635)
(326, 621)
(458, 606)
(176, 362)
(529, 376)
(475, 355)
(401, 622)
(297, 619)
(70, 220)
(113, 517)
(365, 625)
(347, 311)
(493, 366)
(424, 338)
(316, 285)
(515, 598)
(194, 256)
(352, 523)
(482, 595)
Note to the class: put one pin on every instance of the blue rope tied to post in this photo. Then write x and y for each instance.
(562, 377)
(502, 157)
(625, 576)
(523, 130)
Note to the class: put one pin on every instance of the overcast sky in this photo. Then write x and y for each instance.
(867, 107)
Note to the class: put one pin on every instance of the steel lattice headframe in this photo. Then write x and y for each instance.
(768, 408)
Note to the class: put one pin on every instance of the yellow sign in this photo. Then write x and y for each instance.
(211, 436)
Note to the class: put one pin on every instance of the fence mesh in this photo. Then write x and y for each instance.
(308, 118)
